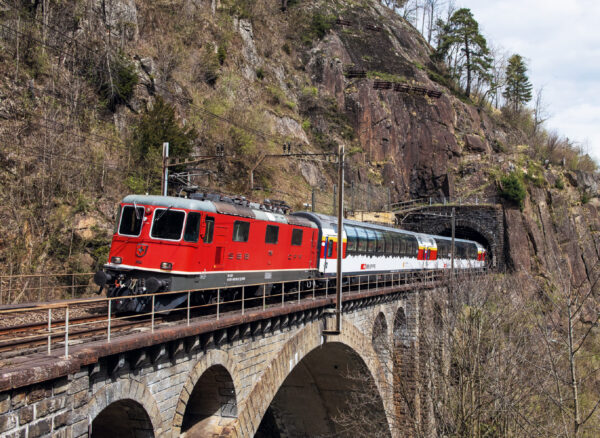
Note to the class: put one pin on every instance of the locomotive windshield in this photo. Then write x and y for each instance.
(131, 221)
(167, 224)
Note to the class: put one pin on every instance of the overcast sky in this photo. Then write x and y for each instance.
(561, 42)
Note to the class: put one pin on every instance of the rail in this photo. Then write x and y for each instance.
(59, 327)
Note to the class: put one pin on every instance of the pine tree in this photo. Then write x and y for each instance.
(518, 88)
(461, 33)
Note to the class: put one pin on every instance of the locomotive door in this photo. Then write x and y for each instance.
(221, 235)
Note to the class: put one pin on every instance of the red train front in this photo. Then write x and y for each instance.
(166, 243)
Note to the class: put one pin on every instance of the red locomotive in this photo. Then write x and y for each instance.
(164, 243)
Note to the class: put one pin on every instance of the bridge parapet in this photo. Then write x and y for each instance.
(231, 377)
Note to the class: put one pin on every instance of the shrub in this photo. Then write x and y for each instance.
(221, 54)
(286, 48)
(559, 184)
(260, 73)
(320, 25)
(512, 189)
(158, 125)
(116, 81)
(585, 197)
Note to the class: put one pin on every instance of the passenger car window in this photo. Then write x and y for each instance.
(208, 232)
(389, 246)
(272, 234)
(372, 243)
(352, 238)
(192, 227)
(241, 231)
(380, 242)
(131, 221)
(167, 224)
(362, 238)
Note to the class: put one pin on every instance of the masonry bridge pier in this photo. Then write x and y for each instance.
(264, 373)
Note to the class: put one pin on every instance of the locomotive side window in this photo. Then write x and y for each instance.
(352, 238)
(210, 226)
(272, 234)
(117, 219)
(296, 237)
(192, 228)
(131, 221)
(241, 231)
(361, 235)
(167, 224)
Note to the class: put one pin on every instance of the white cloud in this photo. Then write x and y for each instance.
(561, 41)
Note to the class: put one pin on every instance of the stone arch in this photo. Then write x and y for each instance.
(214, 376)
(379, 334)
(124, 406)
(309, 339)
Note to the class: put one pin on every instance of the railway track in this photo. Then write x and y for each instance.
(26, 329)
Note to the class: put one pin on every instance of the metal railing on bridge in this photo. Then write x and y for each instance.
(50, 326)
(416, 204)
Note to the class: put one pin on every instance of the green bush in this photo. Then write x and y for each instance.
(559, 184)
(286, 48)
(320, 25)
(585, 197)
(512, 189)
(260, 73)
(221, 54)
(116, 81)
(157, 126)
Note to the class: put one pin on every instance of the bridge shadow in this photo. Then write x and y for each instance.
(212, 405)
(318, 398)
(124, 418)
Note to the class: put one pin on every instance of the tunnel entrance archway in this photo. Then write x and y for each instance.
(212, 405)
(124, 418)
(330, 392)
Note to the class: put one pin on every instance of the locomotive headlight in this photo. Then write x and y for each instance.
(116, 260)
(166, 266)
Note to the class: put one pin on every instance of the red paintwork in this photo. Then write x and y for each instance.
(223, 254)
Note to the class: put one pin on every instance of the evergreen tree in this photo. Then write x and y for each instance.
(518, 88)
(156, 126)
(461, 35)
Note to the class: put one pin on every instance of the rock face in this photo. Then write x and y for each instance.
(417, 140)
(413, 137)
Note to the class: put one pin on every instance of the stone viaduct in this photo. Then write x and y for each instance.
(269, 373)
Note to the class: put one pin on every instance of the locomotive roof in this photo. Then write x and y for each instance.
(323, 219)
(218, 207)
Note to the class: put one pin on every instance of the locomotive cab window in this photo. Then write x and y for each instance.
(296, 237)
(192, 228)
(241, 231)
(208, 231)
(131, 221)
(272, 234)
(167, 224)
